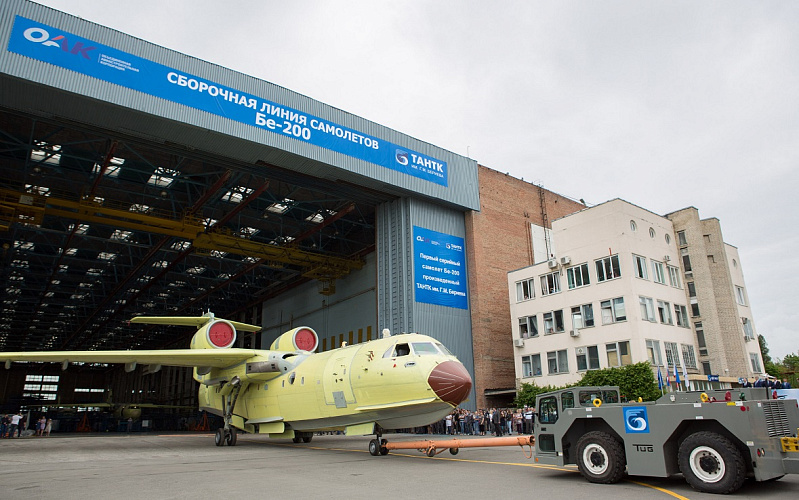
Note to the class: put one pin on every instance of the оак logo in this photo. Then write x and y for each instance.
(636, 420)
(39, 35)
(401, 157)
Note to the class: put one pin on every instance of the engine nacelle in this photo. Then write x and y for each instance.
(302, 338)
(217, 334)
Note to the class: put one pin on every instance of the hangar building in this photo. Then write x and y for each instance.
(138, 180)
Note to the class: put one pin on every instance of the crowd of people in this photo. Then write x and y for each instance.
(768, 382)
(491, 421)
(12, 425)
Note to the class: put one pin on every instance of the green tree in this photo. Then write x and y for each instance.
(789, 366)
(634, 381)
(526, 395)
(768, 364)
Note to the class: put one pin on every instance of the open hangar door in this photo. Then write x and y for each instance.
(97, 228)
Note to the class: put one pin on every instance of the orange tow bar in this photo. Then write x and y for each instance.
(433, 447)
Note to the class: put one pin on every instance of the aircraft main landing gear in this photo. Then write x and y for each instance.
(227, 435)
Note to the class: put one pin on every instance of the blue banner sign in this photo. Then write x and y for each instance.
(439, 268)
(714, 378)
(66, 50)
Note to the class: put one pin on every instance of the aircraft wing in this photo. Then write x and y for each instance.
(216, 358)
(195, 321)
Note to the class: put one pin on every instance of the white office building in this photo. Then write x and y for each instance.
(612, 292)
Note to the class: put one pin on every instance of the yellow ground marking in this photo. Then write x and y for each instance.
(535, 466)
(662, 490)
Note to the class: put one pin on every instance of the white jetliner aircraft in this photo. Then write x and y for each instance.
(289, 391)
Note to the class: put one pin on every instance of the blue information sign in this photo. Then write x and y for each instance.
(439, 268)
(52, 45)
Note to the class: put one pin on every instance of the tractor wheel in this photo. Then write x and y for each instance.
(219, 437)
(711, 463)
(453, 451)
(600, 458)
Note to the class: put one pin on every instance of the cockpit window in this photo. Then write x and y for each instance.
(397, 351)
(424, 348)
(443, 349)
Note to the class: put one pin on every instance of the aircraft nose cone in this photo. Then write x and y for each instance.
(451, 382)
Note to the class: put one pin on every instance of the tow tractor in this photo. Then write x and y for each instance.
(716, 439)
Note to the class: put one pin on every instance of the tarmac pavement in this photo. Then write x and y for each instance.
(188, 465)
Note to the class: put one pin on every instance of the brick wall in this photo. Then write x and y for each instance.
(498, 241)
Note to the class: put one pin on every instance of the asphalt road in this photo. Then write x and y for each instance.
(190, 466)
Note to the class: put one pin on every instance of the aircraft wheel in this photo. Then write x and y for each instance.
(600, 458)
(711, 463)
(231, 437)
(296, 439)
(374, 448)
(454, 451)
(307, 439)
(219, 437)
(383, 449)
(431, 452)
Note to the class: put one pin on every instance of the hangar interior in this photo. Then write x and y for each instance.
(115, 203)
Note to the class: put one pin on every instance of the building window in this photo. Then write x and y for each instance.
(647, 308)
(528, 327)
(613, 311)
(674, 277)
(608, 268)
(583, 316)
(681, 238)
(653, 352)
(657, 272)
(525, 290)
(527, 367)
(749, 332)
(664, 313)
(700, 338)
(706, 368)
(681, 313)
(550, 283)
(695, 310)
(557, 362)
(688, 356)
(587, 358)
(651, 232)
(640, 267)
(618, 354)
(671, 353)
(686, 260)
(553, 322)
(668, 239)
(578, 276)
(739, 294)
(691, 288)
(755, 359)
(633, 225)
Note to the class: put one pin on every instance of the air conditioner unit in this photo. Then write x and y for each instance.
(518, 342)
(565, 260)
(552, 263)
(666, 258)
(574, 333)
(748, 339)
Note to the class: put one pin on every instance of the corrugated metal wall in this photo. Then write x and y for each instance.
(351, 309)
(207, 131)
(397, 308)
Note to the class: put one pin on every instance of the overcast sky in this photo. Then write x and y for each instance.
(665, 104)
